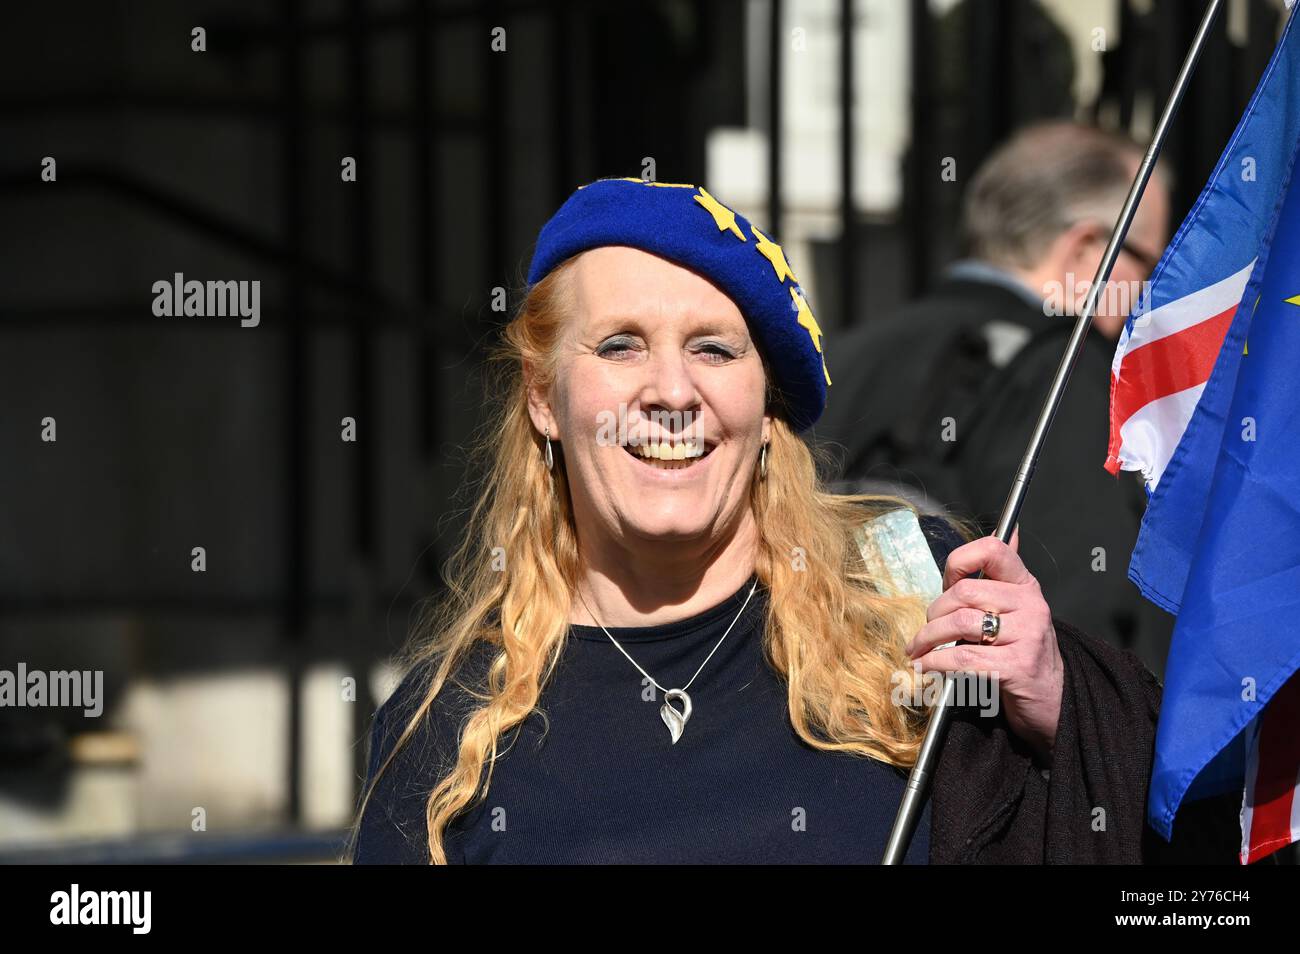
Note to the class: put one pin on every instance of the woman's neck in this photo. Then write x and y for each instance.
(647, 582)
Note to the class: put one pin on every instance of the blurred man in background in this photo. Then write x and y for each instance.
(940, 400)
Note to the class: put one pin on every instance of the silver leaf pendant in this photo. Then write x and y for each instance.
(676, 721)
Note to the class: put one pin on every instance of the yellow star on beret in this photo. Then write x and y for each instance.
(806, 319)
(772, 252)
(723, 216)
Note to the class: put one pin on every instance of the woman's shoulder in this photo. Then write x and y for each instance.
(453, 703)
(391, 828)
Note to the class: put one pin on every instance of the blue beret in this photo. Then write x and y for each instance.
(686, 225)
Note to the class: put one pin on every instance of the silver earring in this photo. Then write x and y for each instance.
(762, 462)
(550, 459)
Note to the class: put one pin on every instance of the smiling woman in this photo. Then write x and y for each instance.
(686, 655)
(678, 346)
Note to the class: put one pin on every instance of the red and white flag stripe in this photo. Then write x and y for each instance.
(1270, 811)
(1161, 365)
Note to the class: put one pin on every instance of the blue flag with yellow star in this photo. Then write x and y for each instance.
(1228, 505)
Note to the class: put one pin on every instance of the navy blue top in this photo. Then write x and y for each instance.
(606, 784)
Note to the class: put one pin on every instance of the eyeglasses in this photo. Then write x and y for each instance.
(1147, 260)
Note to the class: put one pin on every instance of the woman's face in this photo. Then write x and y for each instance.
(654, 355)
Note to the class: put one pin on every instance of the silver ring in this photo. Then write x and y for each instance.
(989, 628)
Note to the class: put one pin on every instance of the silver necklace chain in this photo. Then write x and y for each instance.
(675, 720)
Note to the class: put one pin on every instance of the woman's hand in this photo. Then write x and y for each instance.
(1024, 660)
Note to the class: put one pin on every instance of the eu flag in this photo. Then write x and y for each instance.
(1220, 542)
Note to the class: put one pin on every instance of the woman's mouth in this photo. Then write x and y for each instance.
(669, 456)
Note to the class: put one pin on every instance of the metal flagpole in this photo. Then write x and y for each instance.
(918, 782)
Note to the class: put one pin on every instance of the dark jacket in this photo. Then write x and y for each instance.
(993, 804)
(896, 381)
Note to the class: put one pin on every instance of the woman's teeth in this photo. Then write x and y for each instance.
(670, 456)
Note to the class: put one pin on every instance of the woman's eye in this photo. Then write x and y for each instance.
(717, 353)
(615, 347)
(619, 347)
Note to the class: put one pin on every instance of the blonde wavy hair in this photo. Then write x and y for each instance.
(832, 634)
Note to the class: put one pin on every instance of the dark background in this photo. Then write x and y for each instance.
(377, 294)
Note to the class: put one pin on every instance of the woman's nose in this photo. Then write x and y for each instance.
(669, 384)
